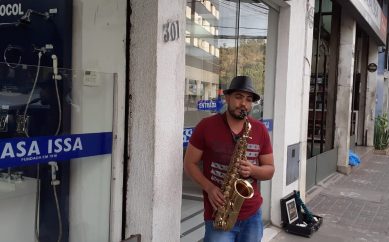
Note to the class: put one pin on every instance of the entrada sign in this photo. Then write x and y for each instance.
(210, 105)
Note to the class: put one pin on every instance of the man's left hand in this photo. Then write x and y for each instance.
(245, 168)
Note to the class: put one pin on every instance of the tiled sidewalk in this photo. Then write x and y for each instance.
(354, 207)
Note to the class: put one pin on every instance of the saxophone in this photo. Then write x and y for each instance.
(234, 189)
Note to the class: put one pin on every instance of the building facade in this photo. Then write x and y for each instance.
(333, 130)
(321, 106)
(146, 72)
(218, 41)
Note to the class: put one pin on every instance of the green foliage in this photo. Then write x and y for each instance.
(381, 132)
(250, 62)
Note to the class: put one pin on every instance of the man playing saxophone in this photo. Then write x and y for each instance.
(218, 142)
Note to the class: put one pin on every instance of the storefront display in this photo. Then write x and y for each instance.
(48, 126)
(43, 142)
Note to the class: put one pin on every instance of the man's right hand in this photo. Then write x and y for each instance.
(215, 196)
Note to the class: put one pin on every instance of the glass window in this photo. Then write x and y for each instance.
(55, 169)
(252, 47)
(321, 107)
(223, 39)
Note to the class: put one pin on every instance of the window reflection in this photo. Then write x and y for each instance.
(321, 107)
(223, 39)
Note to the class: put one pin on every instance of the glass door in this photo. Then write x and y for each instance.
(223, 39)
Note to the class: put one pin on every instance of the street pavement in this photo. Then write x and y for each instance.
(354, 207)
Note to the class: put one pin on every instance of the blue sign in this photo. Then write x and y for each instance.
(210, 105)
(268, 123)
(187, 134)
(28, 151)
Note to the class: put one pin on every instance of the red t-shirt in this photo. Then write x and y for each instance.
(214, 137)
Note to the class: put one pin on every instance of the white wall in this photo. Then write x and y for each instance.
(99, 34)
(268, 97)
(291, 97)
(157, 85)
(305, 88)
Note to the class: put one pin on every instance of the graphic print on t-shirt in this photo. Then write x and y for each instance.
(218, 171)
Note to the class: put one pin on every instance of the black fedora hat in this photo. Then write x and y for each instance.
(242, 83)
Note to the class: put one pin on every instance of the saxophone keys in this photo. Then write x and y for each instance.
(226, 194)
(232, 205)
(228, 189)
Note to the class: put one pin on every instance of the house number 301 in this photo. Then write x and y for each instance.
(171, 31)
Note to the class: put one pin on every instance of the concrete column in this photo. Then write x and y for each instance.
(198, 87)
(268, 97)
(208, 91)
(156, 105)
(291, 98)
(344, 90)
(371, 94)
(310, 6)
(279, 147)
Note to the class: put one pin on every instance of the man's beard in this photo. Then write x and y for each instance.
(239, 116)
